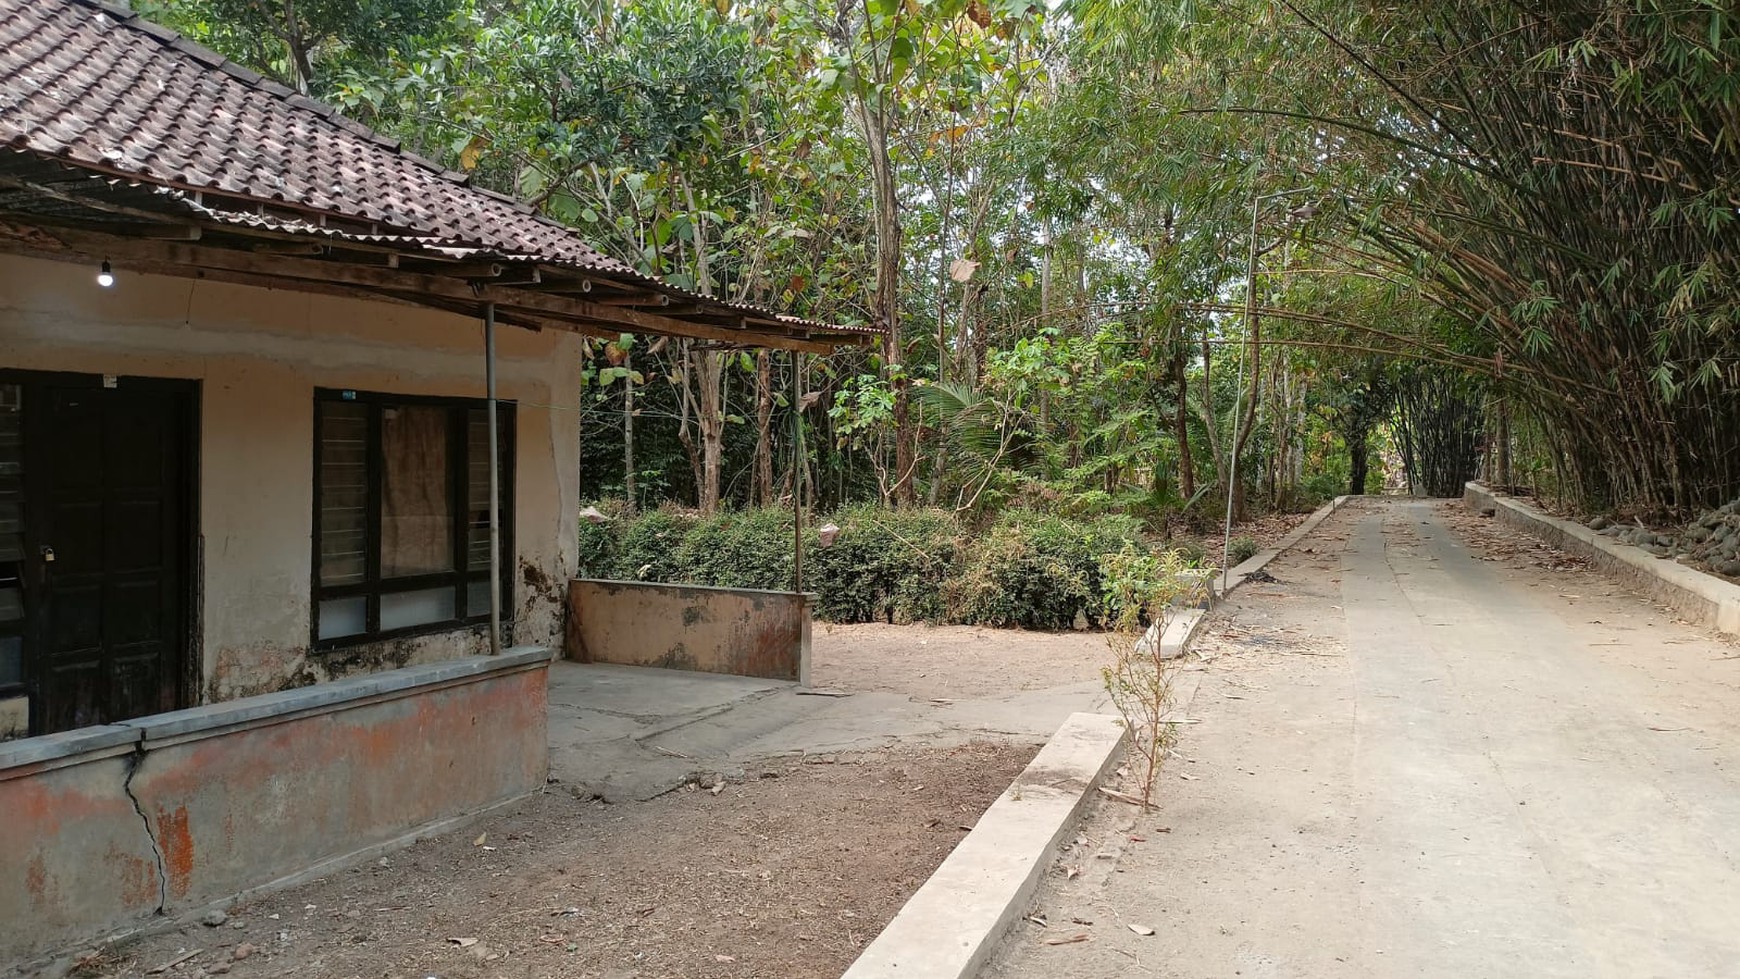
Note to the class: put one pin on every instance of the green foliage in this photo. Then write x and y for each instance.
(1190, 553)
(747, 549)
(1029, 569)
(599, 541)
(303, 43)
(1242, 549)
(648, 548)
(1036, 571)
(1141, 586)
(885, 565)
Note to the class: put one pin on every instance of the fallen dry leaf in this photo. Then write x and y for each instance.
(1142, 930)
(463, 942)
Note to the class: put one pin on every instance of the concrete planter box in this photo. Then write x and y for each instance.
(109, 828)
(739, 631)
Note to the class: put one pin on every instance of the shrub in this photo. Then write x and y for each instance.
(1242, 549)
(1189, 552)
(1143, 588)
(884, 565)
(1319, 488)
(1036, 571)
(649, 545)
(747, 549)
(600, 542)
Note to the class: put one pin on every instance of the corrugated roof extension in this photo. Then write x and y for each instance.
(100, 89)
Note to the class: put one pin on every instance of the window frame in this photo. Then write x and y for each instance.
(460, 577)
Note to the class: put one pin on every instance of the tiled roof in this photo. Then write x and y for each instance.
(96, 87)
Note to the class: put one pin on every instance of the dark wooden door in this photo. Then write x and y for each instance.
(106, 511)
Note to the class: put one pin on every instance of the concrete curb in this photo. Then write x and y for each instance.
(951, 926)
(1703, 598)
(1182, 630)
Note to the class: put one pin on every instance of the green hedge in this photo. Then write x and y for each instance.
(884, 565)
(1028, 569)
(1037, 571)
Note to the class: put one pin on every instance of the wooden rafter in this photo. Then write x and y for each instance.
(542, 308)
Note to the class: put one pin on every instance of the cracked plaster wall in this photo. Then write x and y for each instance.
(120, 825)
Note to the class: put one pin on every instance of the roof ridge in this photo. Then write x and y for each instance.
(168, 38)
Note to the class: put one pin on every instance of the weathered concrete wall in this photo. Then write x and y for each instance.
(1700, 597)
(109, 827)
(259, 354)
(743, 632)
(74, 854)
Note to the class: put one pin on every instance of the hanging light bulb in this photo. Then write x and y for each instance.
(106, 275)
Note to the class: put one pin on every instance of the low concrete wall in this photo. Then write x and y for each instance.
(1702, 598)
(107, 828)
(740, 631)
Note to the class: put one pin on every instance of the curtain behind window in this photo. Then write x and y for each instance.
(416, 512)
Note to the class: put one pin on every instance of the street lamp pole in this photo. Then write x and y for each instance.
(1252, 349)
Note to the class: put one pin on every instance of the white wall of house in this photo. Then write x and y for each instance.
(259, 354)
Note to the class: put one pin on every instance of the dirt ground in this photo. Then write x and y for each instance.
(788, 872)
(951, 661)
(1265, 530)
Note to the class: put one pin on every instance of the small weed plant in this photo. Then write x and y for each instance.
(1143, 591)
(1242, 550)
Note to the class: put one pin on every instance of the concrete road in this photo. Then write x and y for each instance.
(1432, 750)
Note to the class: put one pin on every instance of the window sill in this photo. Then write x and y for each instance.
(344, 644)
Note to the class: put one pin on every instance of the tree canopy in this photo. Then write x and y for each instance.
(1131, 255)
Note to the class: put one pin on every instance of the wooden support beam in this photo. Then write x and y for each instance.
(459, 270)
(289, 248)
(649, 300)
(523, 276)
(406, 284)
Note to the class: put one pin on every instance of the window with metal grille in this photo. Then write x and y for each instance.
(401, 514)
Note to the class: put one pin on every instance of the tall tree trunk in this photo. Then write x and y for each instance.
(1045, 278)
(628, 487)
(709, 380)
(1210, 421)
(886, 309)
(764, 427)
(1357, 463)
(1254, 358)
(709, 374)
(296, 43)
(1504, 474)
(686, 411)
(1181, 425)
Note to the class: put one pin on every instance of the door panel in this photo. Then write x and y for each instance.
(107, 504)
